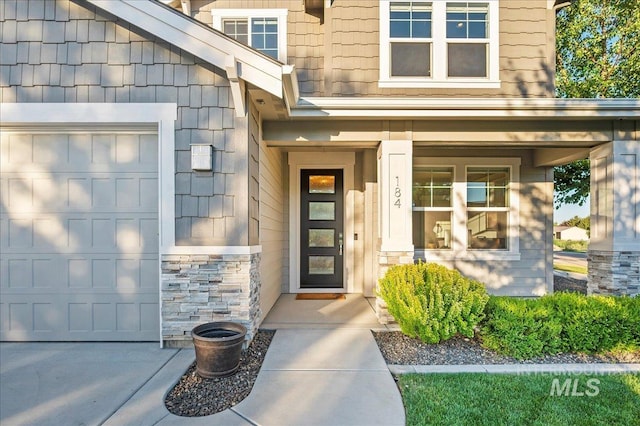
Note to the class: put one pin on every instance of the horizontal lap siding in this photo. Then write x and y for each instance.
(272, 225)
(530, 275)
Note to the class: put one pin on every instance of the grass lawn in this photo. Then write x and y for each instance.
(508, 399)
(570, 268)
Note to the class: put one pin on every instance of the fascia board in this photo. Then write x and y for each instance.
(310, 107)
(290, 87)
(201, 42)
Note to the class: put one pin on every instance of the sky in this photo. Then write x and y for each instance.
(567, 211)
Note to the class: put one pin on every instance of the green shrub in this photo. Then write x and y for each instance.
(563, 322)
(521, 328)
(431, 302)
(572, 245)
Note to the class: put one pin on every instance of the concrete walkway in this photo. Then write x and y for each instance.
(322, 377)
(309, 377)
(83, 383)
(323, 367)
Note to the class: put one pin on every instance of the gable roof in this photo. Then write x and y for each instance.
(242, 63)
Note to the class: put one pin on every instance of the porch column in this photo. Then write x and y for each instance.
(614, 249)
(395, 162)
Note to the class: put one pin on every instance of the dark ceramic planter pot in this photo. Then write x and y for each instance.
(218, 346)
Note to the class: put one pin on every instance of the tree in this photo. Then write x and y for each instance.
(572, 183)
(597, 56)
(580, 222)
(597, 53)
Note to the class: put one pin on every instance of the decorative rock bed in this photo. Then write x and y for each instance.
(194, 396)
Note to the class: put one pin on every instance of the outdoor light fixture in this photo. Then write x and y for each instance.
(201, 157)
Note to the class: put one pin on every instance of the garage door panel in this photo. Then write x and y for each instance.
(83, 319)
(79, 237)
(73, 273)
(60, 193)
(19, 273)
(79, 152)
(116, 234)
(20, 235)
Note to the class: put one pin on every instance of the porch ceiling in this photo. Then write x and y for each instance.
(517, 132)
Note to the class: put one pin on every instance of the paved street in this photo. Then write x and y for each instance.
(570, 258)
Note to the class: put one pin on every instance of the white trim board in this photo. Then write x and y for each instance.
(162, 116)
(328, 160)
(207, 44)
(470, 108)
(114, 116)
(211, 250)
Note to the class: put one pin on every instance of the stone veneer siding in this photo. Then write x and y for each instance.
(204, 288)
(385, 261)
(614, 272)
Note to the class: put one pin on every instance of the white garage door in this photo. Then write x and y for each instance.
(79, 237)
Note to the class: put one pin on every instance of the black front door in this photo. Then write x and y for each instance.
(321, 228)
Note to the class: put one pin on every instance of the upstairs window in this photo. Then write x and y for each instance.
(410, 37)
(264, 35)
(263, 29)
(237, 29)
(467, 39)
(439, 44)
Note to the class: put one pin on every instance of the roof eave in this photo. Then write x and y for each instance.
(205, 43)
(469, 108)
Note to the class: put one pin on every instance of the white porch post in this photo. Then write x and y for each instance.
(395, 163)
(614, 249)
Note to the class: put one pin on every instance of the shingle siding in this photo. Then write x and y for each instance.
(65, 51)
(339, 56)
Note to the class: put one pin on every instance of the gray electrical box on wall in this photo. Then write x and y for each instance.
(201, 157)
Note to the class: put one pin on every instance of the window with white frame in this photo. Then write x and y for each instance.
(432, 207)
(488, 207)
(467, 39)
(469, 207)
(439, 43)
(263, 29)
(410, 37)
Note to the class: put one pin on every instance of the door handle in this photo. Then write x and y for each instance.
(340, 243)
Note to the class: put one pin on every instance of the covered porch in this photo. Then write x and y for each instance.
(353, 311)
(380, 143)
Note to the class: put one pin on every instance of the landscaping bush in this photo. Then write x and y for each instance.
(563, 322)
(431, 302)
(572, 245)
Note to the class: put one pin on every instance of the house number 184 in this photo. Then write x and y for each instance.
(397, 194)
